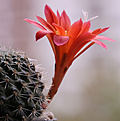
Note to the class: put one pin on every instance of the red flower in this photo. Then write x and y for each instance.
(67, 41)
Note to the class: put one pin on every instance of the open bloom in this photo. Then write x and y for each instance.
(67, 40)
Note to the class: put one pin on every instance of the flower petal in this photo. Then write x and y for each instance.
(96, 31)
(65, 21)
(79, 43)
(80, 40)
(42, 33)
(104, 38)
(86, 27)
(58, 17)
(99, 31)
(50, 15)
(45, 23)
(99, 43)
(35, 23)
(75, 29)
(84, 37)
(60, 40)
(104, 29)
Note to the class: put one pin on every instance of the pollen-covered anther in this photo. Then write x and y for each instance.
(57, 32)
(65, 33)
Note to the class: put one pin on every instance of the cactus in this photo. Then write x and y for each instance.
(21, 88)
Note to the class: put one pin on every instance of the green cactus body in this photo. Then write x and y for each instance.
(21, 89)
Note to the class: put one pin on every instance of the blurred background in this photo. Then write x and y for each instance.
(90, 90)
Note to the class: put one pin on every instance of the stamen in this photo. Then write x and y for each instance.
(57, 32)
(66, 33)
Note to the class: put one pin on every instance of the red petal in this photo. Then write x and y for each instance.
(104, 29)
(86, 27)
(46, 24)
(100, 43)
(99, 31)
(58, 17)
(75, 29)
(65, 21)
(50, 15)
(79, 43)
(104, 38)
(83, 38)
(96, 31)
(61, 40)
(35, 23)
(42, 33)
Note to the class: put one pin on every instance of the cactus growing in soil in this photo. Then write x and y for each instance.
(21, 88)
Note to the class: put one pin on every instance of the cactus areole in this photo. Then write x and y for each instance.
(68, 41)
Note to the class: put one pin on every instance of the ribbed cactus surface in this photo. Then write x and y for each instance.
(21, 88)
